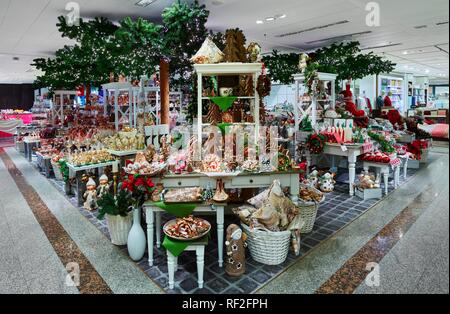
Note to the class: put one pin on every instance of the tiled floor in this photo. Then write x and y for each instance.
(335, 213)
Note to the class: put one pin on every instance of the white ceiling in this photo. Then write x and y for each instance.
(28, 31)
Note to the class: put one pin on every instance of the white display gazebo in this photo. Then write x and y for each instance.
(228, 69)
(59, 104)
(300, 112)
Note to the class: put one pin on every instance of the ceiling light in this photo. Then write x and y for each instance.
(16, 59)
(427, 71)
(283, 16)
(405, 52)
(270, 19)
(145, 3)
(259, 22)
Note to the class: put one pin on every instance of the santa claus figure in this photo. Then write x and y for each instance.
(349, 103)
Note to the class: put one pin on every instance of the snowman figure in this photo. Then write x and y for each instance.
(327, 183)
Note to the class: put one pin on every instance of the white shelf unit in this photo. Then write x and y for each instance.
(152, 99)
(227, 69)
(59, 105)
(299, 112)
(395, 85)
(112, 91)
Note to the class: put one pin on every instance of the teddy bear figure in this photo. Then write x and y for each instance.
(235, 246)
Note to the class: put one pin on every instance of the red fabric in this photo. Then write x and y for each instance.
(387, 101)
(369, 104)
(394, 117)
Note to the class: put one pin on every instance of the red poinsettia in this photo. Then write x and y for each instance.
(139, 188)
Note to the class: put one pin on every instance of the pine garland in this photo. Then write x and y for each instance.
(385, 146)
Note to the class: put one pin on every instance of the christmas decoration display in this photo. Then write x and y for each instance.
(378, 157)
(385, 146)
(235, 50)
(246, 87)
(209, 53)
(104, 186)
(316, 143)
(235, 248)
(254, 53)
(189, 228)
(349, 104)
(326, 183)
(90, 195)
(214, 114)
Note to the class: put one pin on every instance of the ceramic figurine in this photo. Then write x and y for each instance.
(104, 186)
(254, 53)
(221, 196)
(156, 195)
(303, 64)
(90, 196)
(326, 183)
(235, 247)
(313, 178)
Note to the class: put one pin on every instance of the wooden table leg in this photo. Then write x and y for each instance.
(200, 264)
(171, 269)
(158, 228)
(220, 232)
(150, 219)
(351, 174)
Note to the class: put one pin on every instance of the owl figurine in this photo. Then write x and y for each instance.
(235, 246)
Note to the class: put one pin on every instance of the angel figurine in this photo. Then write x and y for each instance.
(104, 186)
(303, 64)
(90, 196)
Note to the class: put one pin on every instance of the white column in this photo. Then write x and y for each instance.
(296, 105)
(200, 110)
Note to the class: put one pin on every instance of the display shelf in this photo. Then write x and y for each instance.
(227, 69)
(299, 112)
(114, 90)
(59, 104)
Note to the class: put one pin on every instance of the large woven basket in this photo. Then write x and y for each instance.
(266, 247)
(308, 213)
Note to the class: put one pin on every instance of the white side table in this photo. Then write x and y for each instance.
(153, 217)
(172, 264)
(384, 169)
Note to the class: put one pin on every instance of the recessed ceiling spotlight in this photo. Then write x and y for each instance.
(145, 3)
(259, 22)
(427, 71)
(282, 16)
(16, 59)
(270, 19)
(405, 52)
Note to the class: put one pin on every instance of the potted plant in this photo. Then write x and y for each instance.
(118, 212)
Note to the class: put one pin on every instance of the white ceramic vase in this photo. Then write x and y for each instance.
(136, 238)
(119, 227)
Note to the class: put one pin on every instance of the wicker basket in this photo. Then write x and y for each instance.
(308, 211)
(308, 214)
(57, 171)
(269, 248)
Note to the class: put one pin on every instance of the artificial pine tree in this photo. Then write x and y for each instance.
(214, 115)
(235, 50)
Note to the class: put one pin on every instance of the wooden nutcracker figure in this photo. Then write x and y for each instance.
(235, 246)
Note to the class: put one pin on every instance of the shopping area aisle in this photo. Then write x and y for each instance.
(406, 234)
(47, 234)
